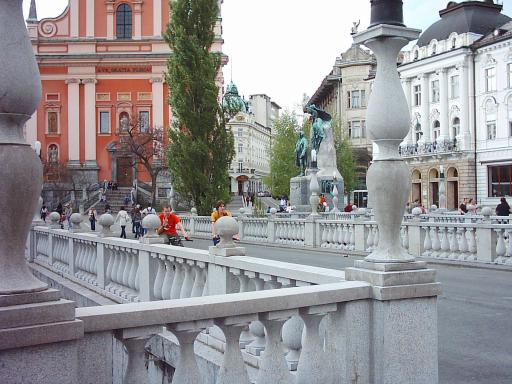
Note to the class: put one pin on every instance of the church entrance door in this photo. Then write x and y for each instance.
(124, 172)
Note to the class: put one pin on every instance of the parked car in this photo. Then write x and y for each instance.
(264, 194)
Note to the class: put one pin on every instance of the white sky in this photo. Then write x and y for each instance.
(284, 48)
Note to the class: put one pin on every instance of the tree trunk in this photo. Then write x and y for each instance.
(153, 189)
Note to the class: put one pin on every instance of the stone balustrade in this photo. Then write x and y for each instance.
(131, 271)
(435, 236)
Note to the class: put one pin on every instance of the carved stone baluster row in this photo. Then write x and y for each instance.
(501, 248)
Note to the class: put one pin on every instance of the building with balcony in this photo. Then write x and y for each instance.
(251, 123)
(102, 65)
(344, 93)
(438, 76)
(493, 111)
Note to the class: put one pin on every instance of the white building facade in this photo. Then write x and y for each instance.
(493, 75)
(438, 78)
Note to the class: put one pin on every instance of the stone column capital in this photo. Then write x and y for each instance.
(72, 81)
(110, 5)
(89, 81)
(156, 80)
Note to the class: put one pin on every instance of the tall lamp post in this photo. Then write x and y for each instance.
(442, 190)
(387, 121)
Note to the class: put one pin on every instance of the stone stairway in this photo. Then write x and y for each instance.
(234, 205)
(116, 199)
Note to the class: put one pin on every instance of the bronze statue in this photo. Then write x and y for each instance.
(321, 119)
(301, 153)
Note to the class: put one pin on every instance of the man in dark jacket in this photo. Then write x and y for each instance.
(503, 209)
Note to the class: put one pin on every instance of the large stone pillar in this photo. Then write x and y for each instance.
(443, 106)
(90, 121)
(406, 84)
(425, 109)
(157, 18)
(110, 19)
(464, 138)
(137, 12)
(89, 21)
(157, 88)
(74, 17)
(73, 121)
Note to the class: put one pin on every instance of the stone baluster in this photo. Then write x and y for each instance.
(179, 277)
(427, 243)
(436, 244)
(472, 249)
(509, 245)
(312, 363)
(501, 248)
(273, 367)
(168, 278)
(136, 371)
(376, 236)
(292, 339)
(132, 276)
(110, 256)
(346, 236)
(454, 244)
(445, 243)
(352, 245)
(256, 327)
(369, 240)
(160, 276)
(187, 371)
(323, 228)
(232, 369)
(188, 281)
(200, 273)
(463, 243)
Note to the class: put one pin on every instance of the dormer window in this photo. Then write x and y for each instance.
(454, 43)
(434, 49)
(124, 22)
(416, 53)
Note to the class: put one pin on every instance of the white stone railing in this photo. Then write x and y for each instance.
(345, 307)
(130, 271)
(452, 237)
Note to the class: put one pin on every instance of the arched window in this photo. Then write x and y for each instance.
(455, 127)
(490, 119)
(124, 22)
(53, 154)
(437, 129)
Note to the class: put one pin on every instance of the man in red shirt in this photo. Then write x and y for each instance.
(170, 221)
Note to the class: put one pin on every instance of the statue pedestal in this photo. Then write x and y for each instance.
(300, 193)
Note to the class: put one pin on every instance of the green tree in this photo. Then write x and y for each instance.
(282, 156)
(345, 158)
(200, 146)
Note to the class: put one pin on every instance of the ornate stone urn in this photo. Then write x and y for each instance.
(21, 171)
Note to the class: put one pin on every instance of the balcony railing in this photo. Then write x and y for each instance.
(435, 147)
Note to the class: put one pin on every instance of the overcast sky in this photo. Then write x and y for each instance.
(284, 48)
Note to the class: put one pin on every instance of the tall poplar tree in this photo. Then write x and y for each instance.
(200, 146)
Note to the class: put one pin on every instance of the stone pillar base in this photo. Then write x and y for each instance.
(403, 322)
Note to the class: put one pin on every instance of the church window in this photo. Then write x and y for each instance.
(104, 122)
(144, 121)
(124, 22)
(124, 122)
